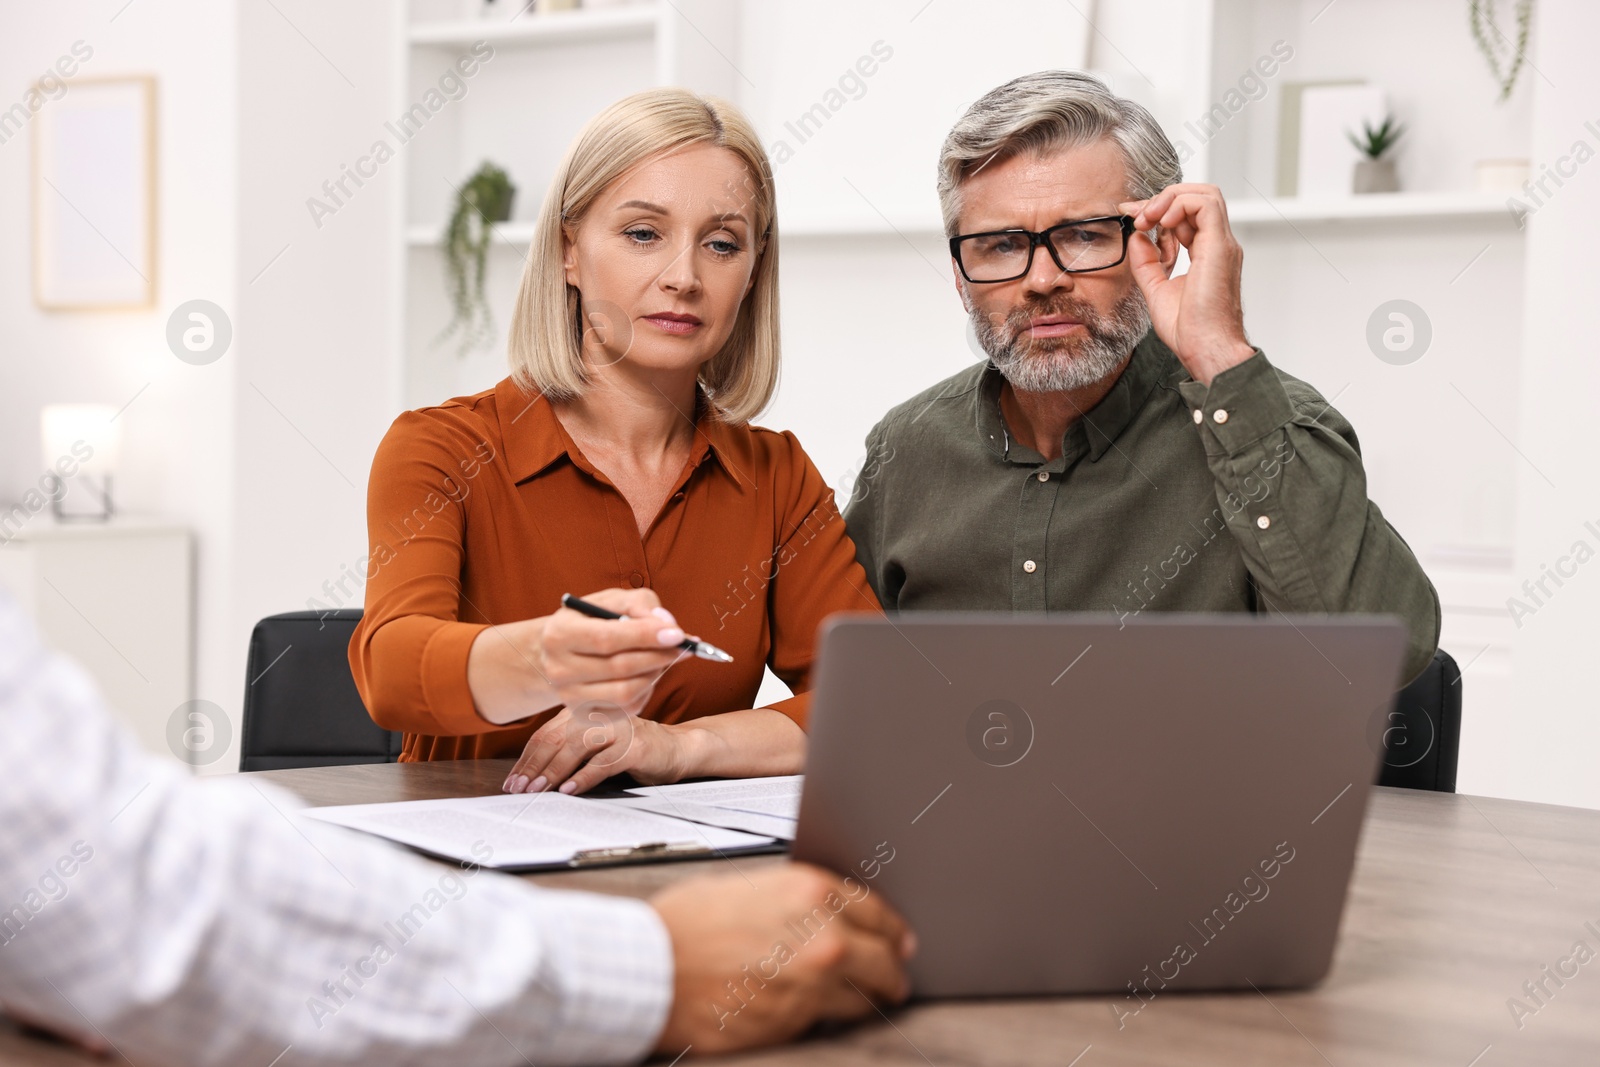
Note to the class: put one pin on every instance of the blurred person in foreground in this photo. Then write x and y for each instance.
(199, 921)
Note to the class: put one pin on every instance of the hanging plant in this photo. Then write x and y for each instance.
(1505, 57)
(482, 200)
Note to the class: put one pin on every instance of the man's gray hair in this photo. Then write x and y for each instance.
(1045, 112)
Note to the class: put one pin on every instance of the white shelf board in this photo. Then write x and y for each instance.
(563, 27)
(1370, 206)
(518, 233)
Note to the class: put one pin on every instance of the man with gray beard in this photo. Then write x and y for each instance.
(1124, 448)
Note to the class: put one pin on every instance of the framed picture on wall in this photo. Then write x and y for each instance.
(94, 196)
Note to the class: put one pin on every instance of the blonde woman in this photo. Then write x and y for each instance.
(617, 463)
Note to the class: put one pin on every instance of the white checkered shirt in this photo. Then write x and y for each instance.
(197, 921)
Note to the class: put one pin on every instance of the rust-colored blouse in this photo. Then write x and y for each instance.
(482, 510)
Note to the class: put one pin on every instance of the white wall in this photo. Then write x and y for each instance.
(316, 306)
(178, 446)
(871, 318)
(1552, 747)
(242, 450)
(854, 104)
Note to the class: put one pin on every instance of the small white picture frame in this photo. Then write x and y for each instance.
(94, 196)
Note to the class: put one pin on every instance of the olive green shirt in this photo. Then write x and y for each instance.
(1168, 496)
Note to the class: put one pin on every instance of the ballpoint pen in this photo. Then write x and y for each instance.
(689, 644)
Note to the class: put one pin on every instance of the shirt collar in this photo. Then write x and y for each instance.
(729, 443)
(534, 438)
(1102, 424)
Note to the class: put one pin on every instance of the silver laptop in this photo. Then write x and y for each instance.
(1064, 804)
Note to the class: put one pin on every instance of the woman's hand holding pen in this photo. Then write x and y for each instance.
(609, 661)
(519, 669)
(603, 671)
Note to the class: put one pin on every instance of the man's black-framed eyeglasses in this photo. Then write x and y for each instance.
(1077, 247)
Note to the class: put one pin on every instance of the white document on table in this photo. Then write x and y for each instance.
(536, 830)
(729, 818)
(777, 795)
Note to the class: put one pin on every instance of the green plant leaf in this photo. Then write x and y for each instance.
(1504, 56)
(482, 200)
(1375, 142)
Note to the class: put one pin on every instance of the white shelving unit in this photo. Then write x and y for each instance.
(538, 79)
(1374, 206)
(639, 21)
(1318, 272)
(1286, 210)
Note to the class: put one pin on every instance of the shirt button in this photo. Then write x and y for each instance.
(1262, 522)
(1198, 416)
(1030, 566)
(636, 580)
(1220, 415)
(1043, 476)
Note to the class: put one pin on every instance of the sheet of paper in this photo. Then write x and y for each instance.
(524, 830)
(778, 795)
(694, 811)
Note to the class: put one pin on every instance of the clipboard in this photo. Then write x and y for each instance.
(620, 856)
(522, 833)
(662, 852)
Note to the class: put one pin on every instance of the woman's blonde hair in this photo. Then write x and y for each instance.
(546, 345)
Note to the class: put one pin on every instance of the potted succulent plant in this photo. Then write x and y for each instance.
(1373, 173)
(482, 200)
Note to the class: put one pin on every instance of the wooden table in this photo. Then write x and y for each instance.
(1457, 901)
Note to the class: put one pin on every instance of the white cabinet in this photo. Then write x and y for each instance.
(118, 597)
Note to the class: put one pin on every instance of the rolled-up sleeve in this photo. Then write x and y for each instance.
(409, 652)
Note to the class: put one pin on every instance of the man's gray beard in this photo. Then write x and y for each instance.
(1056, 364)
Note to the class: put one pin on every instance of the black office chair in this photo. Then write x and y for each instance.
(1421, 737)
(301, 708)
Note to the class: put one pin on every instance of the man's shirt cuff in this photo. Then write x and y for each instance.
(1243, 404)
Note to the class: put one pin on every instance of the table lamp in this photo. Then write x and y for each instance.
(82, 443)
